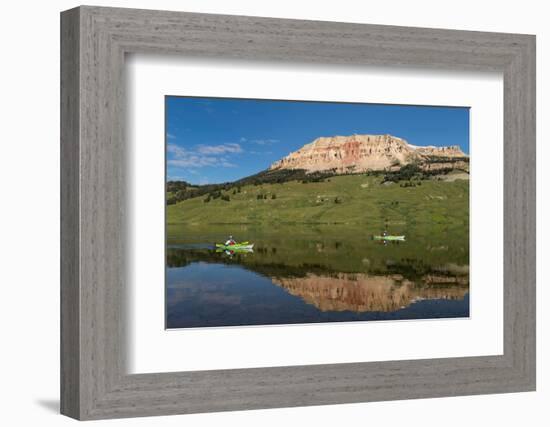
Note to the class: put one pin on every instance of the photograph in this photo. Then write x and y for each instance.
(294, 212)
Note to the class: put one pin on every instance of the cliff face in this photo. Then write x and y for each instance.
(360, 153)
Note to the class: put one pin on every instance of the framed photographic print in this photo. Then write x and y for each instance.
(262, 213)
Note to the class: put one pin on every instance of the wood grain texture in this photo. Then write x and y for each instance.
(95, 383)
(70, 291)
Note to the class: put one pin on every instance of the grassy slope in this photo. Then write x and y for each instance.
(363, 201)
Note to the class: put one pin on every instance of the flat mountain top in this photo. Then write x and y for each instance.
(361, 153)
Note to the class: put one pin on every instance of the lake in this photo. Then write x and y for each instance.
(313, 273)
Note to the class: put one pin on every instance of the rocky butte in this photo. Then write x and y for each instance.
(361, 153)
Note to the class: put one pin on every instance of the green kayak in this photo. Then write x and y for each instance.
(235, 247)
(388, 237)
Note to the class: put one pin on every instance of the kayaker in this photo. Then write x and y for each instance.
(230, 242)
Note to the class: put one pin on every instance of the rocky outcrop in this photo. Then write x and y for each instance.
(361, 153)
(440, 165)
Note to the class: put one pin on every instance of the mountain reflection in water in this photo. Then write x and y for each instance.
(310, 279)
(361, 293)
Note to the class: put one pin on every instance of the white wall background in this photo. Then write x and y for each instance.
(29, 225)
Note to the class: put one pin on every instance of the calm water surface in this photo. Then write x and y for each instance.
(304, 274)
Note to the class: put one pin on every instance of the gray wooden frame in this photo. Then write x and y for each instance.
(94, 382)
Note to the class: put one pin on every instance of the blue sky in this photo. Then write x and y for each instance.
(213, 140)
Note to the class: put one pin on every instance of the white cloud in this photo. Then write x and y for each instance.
(193, 161)
(176, 150)
(227, 164)
(219, 149)
(204, 156)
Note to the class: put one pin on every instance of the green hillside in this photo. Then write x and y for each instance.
(349, 199)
